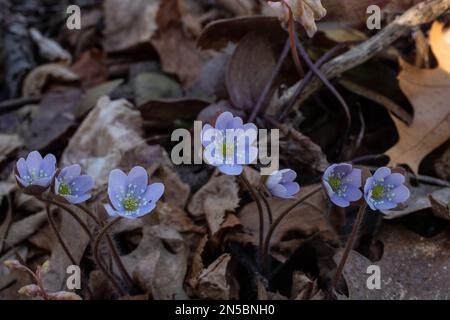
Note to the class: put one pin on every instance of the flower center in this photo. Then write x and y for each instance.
(335, 183)
(130, 204)
(378, 192)
(64, 189)
(227, 149)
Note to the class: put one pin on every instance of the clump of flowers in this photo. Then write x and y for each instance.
(282, 184)
(130, 195)
(385, 190)
(305, 12)
(342, 183)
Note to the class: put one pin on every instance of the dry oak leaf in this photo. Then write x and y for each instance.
(429, 92)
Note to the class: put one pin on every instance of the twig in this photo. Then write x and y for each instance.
(421, 13)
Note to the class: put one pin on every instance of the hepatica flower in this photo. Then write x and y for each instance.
(35, 170)
(281, 184)
(385, 190)
(230, 144)
(130, 195)
(73, 186)
(342, 183)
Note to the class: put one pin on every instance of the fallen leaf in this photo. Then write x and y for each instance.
(249, 69)
(428, 91)
(213, 283)
(412, 268)
(176, 192)
(172, 110)
(154, 86)
(214, 199)
(91, 68)
(40, 77)
(128, 25)
(109, 138)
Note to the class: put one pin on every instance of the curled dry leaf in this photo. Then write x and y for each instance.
(214, 199)
(91, 68)
(213, 283)
(428, 91)
(40, 77)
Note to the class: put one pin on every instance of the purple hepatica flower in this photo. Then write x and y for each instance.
(281, 184)
(342, 183)
(72, 186)
(35, 171)
(385, 190)
(229, 145)
(131, 196)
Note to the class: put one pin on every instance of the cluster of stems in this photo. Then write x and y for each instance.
(73, 210)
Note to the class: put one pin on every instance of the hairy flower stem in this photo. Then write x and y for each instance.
(100, 235)
(263, 97)
(58, 235)
(292, 35)
(267, 205)
(266, 244)
(349, 246)
(115, 253)
(260, 213)
(83, 225)
(328, 85)
(309, 76)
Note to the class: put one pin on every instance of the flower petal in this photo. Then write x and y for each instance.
(232, 170)
(77, 199)
(395, 179)
(48, 165)
(353, 193)
(145, 210)
(83, 183)
(288, 175)
(223, 120)
(137, 181)
(340, 202)
(329, 171)
(401, 194)
(33, 162)
(381, 173)
(154, 192)
(22, 168)
(274, 179)
(354, 178)
(279, 191)
(69, 173)
(22, 182)
(292, 188)
(43, 182)
(116, 188)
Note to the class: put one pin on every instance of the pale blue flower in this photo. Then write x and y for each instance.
(35, 170)
(73, 186)
(282, 184)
